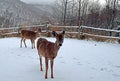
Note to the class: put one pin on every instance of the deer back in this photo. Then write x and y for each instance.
(29, 34)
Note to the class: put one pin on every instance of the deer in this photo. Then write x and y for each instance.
(49, 50)
(28, 34)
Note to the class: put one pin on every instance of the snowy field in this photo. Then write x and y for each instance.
(77, 60)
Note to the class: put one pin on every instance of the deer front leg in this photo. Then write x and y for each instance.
(25, 43)
(51, 63)
(32, 43)
(46, 62)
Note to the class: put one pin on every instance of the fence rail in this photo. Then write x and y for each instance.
(71, 31)
(87, 30)
(100, 31)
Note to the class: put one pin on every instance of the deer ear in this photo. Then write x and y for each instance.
(54, 33)
(63, 32)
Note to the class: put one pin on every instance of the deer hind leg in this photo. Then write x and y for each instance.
(24, 43)
(46, 62)
(40, 57)
(51, 63)
(21, 42)
(33, 43)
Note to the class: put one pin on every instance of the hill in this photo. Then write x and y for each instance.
(20, 11)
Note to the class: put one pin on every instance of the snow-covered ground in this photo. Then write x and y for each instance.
(77, 60)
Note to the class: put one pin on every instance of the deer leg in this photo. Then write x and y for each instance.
(34, 43)
(40, 62)
(51, 63)
(25, 43)
(21, 42)
(46, 62)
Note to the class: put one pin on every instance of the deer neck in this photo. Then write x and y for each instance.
(56, 45)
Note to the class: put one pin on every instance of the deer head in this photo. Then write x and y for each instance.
(59, 37)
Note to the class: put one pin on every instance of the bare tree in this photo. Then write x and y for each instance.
(79, 13)
(94, 10)
(61, 10)
(113, 13)
(65, 2)
(110, 12)
(58, 12)
(71, 16)
(7, 16)
(84, 11)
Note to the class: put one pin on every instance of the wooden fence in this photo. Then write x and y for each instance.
(15, 31)
(82, 32)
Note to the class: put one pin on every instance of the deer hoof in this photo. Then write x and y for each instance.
(45, 77)
(41, 69)
(52, 77)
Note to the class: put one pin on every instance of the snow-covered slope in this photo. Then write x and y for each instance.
(77, 60)
(18, 8)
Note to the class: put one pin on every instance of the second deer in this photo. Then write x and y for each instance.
(27, 34)
(49, 50)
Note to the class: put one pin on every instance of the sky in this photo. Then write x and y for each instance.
(38, 1)
(48, 1)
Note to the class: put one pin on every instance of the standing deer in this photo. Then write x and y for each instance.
(49, 50)
(27, 34)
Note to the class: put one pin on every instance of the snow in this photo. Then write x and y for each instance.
(77, 60)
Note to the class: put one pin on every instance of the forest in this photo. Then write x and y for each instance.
(68, 12)
(88, 12)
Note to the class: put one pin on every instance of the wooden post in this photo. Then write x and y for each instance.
(110, 33)
(46, 28)
(19, 28)
(79, 31)
(119, 34)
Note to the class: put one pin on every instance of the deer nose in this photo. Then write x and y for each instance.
(60, 44)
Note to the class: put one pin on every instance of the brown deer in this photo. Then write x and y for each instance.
(27, 34)
(49, 50)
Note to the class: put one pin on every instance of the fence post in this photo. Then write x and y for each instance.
(119, 34)
(110, 33)
(19, 28)
(79, 31)
(47, 30)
